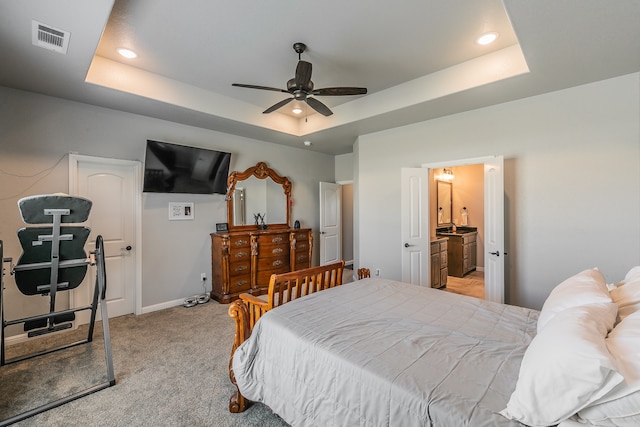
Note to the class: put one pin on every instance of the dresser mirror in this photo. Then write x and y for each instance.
(444, 202)
(258, 190)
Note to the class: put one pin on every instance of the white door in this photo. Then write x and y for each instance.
(330, 223)
(414, 226)
(114, 188)
(494, 229)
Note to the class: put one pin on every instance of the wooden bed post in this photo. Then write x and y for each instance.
(239, 312)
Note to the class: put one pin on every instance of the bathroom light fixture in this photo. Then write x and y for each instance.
(127, 53)
(307, 143)
(297, 110)
(487, 38)
(446, 175)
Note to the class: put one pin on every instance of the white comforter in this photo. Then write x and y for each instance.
(377, 352)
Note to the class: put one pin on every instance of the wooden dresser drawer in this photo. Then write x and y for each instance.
(273, 263)
(240, 283)
(241, 267)
(239, 241)
(301, 235)
(273, 239)
(239, 254)
(302, 246)
(302, 260)
(280, 250)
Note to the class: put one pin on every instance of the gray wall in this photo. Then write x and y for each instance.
(572, 182)
(37, 133)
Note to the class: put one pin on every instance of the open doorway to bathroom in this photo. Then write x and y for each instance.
(457, 214)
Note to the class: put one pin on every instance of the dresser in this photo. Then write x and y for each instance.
(243, 261)
(439, 263)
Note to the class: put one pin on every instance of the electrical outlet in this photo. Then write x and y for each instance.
(203, 276)
(377, 272)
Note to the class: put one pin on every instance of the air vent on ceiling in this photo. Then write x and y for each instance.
(48, 37)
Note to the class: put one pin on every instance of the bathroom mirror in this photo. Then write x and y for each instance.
(258, 190)
(444, 202)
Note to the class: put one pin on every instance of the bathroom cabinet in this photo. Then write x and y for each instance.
(462, 251)
(439, 263)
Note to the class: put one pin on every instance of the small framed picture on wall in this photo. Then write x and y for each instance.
(180, 211)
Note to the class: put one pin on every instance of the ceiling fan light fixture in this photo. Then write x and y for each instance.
(487, 38)
(127, 53)
(297, 110)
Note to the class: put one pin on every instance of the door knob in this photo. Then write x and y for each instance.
(406, 245)
(496, 253)
(128, 248)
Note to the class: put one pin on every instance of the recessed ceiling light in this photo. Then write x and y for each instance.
(127, 53)
(487, 38)
(297, 110)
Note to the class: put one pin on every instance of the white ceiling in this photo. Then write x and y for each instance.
(417, 58)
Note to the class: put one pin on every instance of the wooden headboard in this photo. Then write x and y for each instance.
(283, 288)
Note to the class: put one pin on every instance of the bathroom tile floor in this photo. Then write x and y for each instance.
(471, 284)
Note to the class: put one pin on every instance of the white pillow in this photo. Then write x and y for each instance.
(627, 296)
(621, 406)
(586, 287)
(633, 274)
(566, 367)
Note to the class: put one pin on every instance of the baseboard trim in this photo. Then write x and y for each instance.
(162, 306)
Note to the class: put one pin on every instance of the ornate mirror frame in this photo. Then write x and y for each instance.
(260, 171)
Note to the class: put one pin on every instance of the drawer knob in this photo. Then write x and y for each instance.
(277, 263)
(241, 268)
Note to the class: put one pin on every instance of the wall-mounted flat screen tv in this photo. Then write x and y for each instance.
(172, 168)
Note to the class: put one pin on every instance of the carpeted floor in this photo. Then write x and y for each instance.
(171, 369)
(471, 284)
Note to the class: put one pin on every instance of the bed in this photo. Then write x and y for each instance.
(379, 352)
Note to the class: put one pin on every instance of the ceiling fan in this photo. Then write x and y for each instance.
(301, 87)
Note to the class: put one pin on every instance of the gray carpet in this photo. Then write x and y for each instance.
(171, 369)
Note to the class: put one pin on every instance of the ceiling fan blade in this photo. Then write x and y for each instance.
(303, 74)
(319, 107)
(259, 87)
(274, 107)
(339, 91)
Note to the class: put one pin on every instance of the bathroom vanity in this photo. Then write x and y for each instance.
(462, 249)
